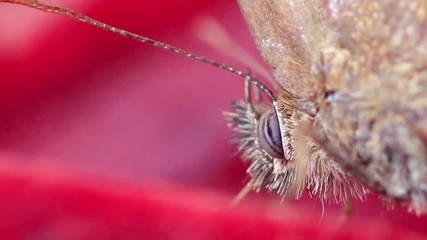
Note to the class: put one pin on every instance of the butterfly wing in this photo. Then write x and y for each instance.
(288, 35)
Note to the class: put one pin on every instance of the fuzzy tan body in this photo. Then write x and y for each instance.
(358, 70)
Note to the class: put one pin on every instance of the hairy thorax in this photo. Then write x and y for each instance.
(374, 74)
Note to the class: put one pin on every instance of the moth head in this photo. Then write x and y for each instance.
(282, 157)
(263, 134)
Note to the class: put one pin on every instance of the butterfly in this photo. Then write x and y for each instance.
(348, 114)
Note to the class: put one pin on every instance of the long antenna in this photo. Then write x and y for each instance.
(83, 18)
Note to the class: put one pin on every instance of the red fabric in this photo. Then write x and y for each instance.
(105, 138)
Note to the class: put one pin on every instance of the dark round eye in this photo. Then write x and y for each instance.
(269, 134)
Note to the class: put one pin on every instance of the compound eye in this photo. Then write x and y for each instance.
(269, 135)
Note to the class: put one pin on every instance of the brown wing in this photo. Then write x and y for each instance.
(289, 36)
(317, 46)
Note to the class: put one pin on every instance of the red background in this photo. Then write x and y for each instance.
(102, 137)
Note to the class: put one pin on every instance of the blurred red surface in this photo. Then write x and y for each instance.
(106, 138)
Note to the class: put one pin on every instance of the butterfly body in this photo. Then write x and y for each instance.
(356, 71)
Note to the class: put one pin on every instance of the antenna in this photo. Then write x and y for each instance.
(88, 20)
